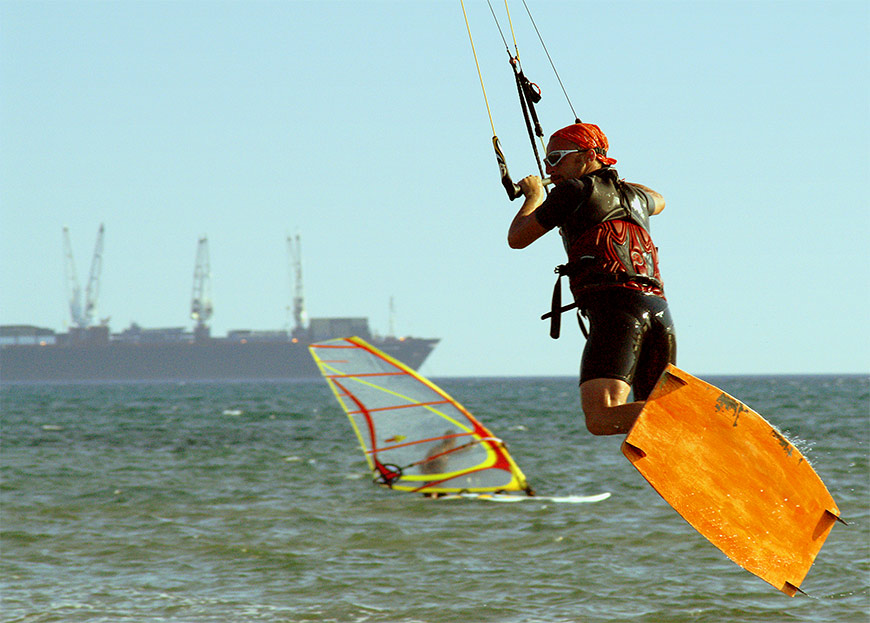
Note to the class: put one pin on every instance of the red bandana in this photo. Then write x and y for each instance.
(587, 136)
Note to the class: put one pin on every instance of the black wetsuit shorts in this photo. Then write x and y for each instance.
(631, 338)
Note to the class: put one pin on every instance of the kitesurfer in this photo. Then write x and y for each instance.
(613, 271)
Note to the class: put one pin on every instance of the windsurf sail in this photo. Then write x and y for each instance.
(414, 436)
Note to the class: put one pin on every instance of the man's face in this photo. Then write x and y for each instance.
(572, 165)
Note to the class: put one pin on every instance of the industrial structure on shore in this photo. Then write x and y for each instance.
(90, 352)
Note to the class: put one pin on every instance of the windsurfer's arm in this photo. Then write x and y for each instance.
(525, 228)
(659, 201)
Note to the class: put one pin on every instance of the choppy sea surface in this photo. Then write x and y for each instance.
(250, 502)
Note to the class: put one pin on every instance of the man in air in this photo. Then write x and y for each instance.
(613, 271)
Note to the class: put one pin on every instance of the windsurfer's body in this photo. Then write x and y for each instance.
(613, 270)
(436, 459)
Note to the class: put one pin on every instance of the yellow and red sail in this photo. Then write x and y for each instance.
(414, 436)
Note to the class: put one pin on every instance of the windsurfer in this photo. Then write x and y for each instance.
(436, 459)
(613, 271)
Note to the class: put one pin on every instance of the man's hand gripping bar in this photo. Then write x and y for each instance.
(513, 190)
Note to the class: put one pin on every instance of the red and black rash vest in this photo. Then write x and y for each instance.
(605, 227)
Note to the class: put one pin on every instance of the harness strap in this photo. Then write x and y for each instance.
(555, 304)
(557, 309)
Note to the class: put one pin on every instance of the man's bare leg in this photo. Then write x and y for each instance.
(604, 404)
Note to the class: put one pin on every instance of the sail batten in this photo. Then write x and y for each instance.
(420, 404)
(345, 376)
(414, 436)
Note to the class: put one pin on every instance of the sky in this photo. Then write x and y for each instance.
(361, 127)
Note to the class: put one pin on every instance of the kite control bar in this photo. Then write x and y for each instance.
(513, 190)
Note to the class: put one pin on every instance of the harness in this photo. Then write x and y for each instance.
(601, 279)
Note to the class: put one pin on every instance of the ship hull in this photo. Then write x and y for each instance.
(213, 360)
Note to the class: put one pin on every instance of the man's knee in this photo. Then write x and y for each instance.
(598, 423)
(605, 408)
(595, 401)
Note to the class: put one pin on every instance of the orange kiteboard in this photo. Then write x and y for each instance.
(734, 477)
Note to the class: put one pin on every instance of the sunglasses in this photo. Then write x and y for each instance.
(555, 157)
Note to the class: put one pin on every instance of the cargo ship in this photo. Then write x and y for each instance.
(34, 354)
(31, 354)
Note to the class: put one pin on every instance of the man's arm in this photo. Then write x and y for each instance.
(525, 228)
(659, 201)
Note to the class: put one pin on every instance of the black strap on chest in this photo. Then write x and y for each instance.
(602, 279)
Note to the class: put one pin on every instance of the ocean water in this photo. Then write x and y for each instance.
(250, 502)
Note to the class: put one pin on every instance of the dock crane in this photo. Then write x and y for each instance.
(201, 305)
(83, 314)
(300, 315)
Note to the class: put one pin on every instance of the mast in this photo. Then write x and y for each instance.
(201, 305)
(300, 315)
